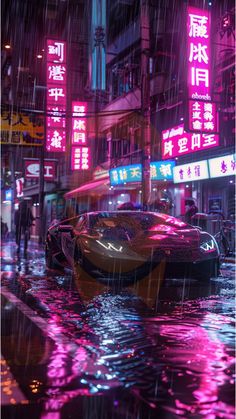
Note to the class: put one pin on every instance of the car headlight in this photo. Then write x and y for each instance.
(110, 246)
(208, 246)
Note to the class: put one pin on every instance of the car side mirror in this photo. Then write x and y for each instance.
(66, 228)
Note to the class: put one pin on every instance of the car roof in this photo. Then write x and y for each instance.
(121, 212)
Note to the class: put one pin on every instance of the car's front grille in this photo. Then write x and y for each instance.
(176, 255)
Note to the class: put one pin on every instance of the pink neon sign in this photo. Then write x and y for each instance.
(56, 51)
(80, 158)
(56, 96)
(56, 139)
(56, 117)
(198, 30)
(203, 116)
(202, 113)
(79, 123)
(176, 142)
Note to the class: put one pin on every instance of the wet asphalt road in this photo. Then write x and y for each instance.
(73, 348)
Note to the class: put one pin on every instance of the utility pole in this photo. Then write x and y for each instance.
(145, 102)
(13, 188)
(41, 196)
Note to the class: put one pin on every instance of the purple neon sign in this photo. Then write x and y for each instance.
(177, 142)
(198, 30)
(203, 116)
(202, 112)
(56, 95)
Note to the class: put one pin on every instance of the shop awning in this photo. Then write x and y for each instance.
(96, 187)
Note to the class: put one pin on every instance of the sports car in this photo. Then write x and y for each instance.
(128, 245)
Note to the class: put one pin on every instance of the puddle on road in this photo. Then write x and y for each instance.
(172, 351)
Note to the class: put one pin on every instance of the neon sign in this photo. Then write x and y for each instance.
(80, 158)
(202, 113)
(56, 96)
(159, 170)
(198, 32)
(177, 142)
(80, 152)
(162, 170)
(79, 123)
(218, 167)
(222, 166)
(192, 171)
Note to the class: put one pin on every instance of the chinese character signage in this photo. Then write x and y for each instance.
(190, 172)
(21, 128)
(133, 173)
(126, 174)
(79, 123)
(32, 169)
(177, 142)
(56, 96)
(80, 152)
(222, 166)
(162, 170)
(203, 116)
(202, 113)
(80, 158)
(198, 35)
(218, 167)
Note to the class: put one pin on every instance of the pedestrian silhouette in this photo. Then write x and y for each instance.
(191, 209)
(23, 221)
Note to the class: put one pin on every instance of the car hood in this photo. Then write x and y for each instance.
(144, 244)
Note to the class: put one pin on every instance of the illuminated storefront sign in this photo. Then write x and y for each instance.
(222, 166)
(79, 123)
(23, 128)
(218, 167)
(56, 96)
(32, 169)
(80, 155)
(191, 171)
(80, 158)
(126, 174)
(161, 170)
(176, 142)
(198, 32)
(202, 112)
(203, 116)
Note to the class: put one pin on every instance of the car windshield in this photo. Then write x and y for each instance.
(133, 221)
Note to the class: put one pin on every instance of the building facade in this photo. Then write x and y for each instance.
(127, 61)
(121, 129)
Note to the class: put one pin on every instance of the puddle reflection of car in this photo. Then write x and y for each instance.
(128, 245)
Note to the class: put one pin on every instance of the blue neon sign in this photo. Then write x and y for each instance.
(159, 170)
(126, 174)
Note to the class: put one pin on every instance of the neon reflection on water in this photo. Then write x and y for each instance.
(200, 348)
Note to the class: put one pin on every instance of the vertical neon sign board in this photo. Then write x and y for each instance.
(202, 115)
(56, 96)
(79, 123)
(80, 158)
(80, 152)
